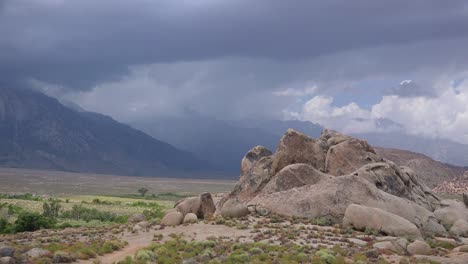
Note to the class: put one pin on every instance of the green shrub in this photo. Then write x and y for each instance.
(79, 212)
(29, 221)
(51, 208)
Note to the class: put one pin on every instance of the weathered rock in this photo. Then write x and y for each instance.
(358, 242)
(385, 245)
(465, 196)
(401, 182)
(250, 183)
(460, 228)
(363, 217)
(172, 219)
(293, 176)
(7, 260)
(136, 218)
(253, 156)
(463, 248)
(330, 198)
(234, 209)
(450, 211)
(292, 182)
(7, 251)
(296, 147)
(444, 240)
(349, 155)
(202, 206)
(190, 218)
(37, 253)
(419, 247)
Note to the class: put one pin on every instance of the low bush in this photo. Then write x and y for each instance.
(29, 221)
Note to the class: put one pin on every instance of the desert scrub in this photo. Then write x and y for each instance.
(177, 250)
(88, 250)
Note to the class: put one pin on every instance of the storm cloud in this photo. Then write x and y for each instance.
(235, 59)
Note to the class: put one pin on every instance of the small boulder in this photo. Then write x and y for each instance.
(444, 240)
(463, 248)
(385, 245)
(7, 251)
(144, 224)
(136, 218)
(37, 253)
(234, 209)
(172, 219)
(62, 257)
(190, 218)
(419, 247)
(7, 260)
(363, 217)
(460, 228)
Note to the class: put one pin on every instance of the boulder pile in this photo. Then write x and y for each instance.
(189, 210)
(340, 178)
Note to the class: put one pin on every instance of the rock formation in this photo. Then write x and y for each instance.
(322, 177)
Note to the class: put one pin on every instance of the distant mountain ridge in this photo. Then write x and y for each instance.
(432, 172)
(36, 131)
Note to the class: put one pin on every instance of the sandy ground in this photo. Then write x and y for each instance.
(142, 239)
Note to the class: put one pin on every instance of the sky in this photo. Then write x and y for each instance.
(355, 66)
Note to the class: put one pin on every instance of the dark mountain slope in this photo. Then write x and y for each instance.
(36, 131)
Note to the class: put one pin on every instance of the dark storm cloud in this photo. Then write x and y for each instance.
(80, 43)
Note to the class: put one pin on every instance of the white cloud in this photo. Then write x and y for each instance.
(443, 116)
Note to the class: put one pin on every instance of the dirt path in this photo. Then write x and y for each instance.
(142, 239)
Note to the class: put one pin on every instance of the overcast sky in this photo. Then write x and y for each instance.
(349, 65)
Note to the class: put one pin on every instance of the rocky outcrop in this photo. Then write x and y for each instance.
(363, 217)
(321, 177)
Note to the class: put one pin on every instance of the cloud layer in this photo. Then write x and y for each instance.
(344, 64)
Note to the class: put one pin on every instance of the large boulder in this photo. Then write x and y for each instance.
(296, 147)
(330, 198)
(6, 251)
(363, 217)
(450, 211)
(202, 206)
(460, 228)
(253, 156)
(348, 156)
(293, 176)
(7, 260)
(172, 219)
(250, 183)
(398, 181)
(234, 209)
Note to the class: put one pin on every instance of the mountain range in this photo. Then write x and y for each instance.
(37, 131)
